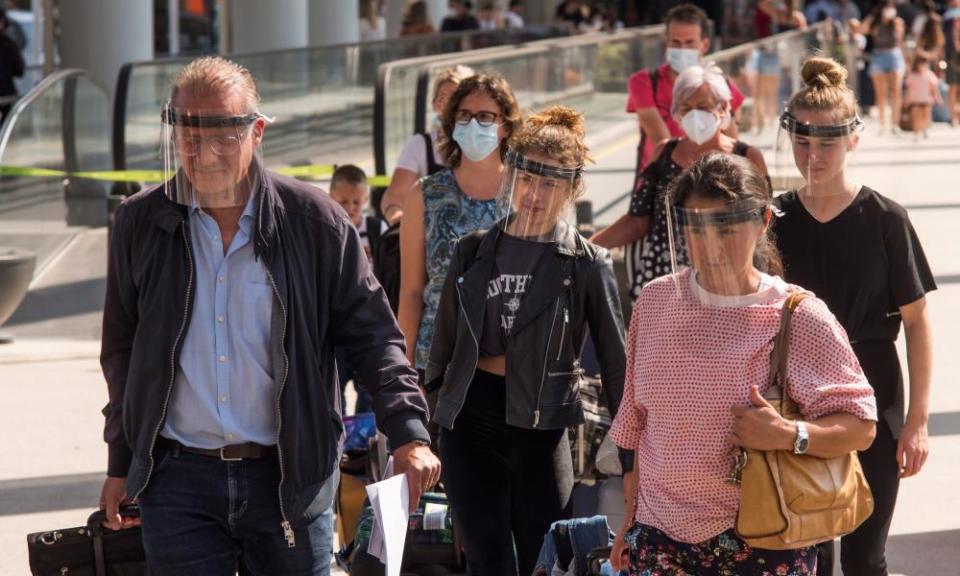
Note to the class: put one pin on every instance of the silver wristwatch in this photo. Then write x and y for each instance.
(802, 441)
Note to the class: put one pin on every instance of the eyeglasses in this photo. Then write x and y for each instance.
(483, 118)
(190, 145)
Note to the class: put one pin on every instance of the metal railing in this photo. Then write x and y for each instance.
(589, 71)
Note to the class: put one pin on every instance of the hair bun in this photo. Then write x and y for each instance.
(558, 115)
(820, 73)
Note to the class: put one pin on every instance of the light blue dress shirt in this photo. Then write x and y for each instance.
(224, 391)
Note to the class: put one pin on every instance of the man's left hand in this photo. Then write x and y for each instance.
(421, 467)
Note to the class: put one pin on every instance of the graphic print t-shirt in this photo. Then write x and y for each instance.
(513, 274)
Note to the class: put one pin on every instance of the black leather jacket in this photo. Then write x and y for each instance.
(325, 296)
(573, 291)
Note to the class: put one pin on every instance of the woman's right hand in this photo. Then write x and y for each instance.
(620, 553)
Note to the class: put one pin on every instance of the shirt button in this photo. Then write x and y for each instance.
(566, 281)
(229, 435)
(220, 319)
(460, 280)
(223, 398)
(221, 279)
(222, 359)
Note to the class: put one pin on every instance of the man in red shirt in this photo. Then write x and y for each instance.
(687, 41)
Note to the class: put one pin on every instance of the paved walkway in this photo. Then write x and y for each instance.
(52, 458)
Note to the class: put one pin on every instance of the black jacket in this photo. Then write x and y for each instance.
(326, 297)
(574, 288)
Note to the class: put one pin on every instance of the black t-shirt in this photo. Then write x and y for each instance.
(865, 263)
(516, 264)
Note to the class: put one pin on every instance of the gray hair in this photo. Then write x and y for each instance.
(216, 76)
(693, 78)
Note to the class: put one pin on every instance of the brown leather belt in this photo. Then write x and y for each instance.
(232, 453)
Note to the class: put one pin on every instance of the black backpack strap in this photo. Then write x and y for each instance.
(432, 166)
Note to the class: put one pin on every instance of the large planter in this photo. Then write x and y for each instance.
(16, 271)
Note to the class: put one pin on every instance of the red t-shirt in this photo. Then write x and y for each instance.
(640, 96)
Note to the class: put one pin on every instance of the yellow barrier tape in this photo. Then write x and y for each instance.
(311, 172)
(122, 175)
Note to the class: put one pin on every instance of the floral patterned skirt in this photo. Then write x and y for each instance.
(653, 553)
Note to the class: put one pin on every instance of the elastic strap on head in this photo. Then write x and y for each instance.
(790, 123)
(518, 161)
(735, 213)
(176, 117)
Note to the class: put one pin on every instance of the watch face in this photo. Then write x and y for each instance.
(802, 444)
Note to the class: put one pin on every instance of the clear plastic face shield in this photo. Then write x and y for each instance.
(812, 152)
(717, 240)
(211, 157)
(536, 197)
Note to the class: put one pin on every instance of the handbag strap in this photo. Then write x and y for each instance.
(781, 346)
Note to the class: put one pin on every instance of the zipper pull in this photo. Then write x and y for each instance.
(566, 315)
(536, 418)
(288, 534)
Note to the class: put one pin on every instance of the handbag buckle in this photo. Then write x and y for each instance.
(736, 470)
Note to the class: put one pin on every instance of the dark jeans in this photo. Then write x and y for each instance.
(506, 485)
(862, 552)
(205, 517)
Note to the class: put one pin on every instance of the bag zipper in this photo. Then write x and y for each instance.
(285, 523)
(173, 357)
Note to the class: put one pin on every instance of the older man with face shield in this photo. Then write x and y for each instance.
(228, 289)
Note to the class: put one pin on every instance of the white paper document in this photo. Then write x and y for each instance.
(390, 502)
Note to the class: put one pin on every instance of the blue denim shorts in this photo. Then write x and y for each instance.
(766, 63)
(887, 61)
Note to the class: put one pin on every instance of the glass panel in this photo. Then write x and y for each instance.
(322, 98)
(588, 72)
(63, 126)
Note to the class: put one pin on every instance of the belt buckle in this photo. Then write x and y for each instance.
(224, 458)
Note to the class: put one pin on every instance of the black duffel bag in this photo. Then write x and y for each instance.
(90, 550)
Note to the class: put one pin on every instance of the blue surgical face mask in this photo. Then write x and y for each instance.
(682, 58)
(476, 141)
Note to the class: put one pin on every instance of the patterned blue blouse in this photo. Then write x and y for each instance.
(448, 214)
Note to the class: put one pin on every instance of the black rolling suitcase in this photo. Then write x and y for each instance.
(90, 550)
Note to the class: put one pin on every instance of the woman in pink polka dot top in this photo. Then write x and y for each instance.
(697, 365)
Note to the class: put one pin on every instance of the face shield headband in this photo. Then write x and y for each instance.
(736, 213)
(518, 161)
(789, 123)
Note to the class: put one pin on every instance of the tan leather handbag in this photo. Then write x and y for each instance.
(790, 501)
